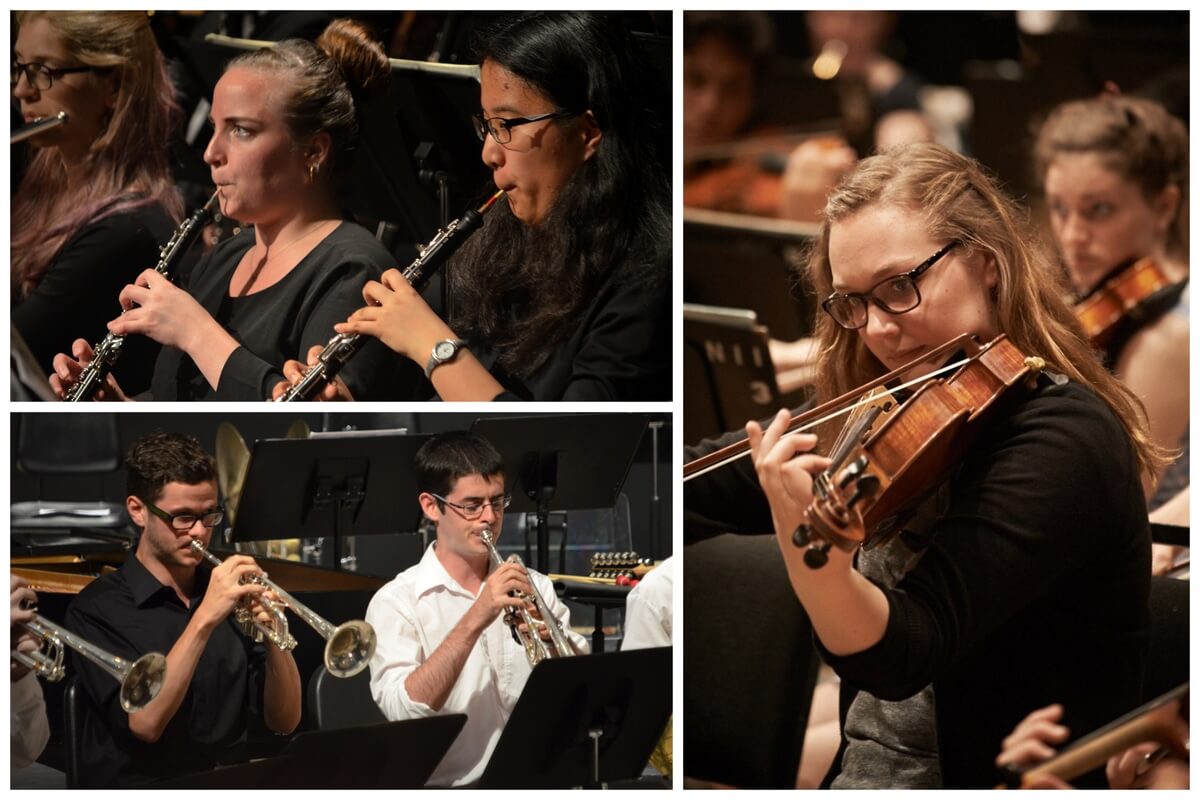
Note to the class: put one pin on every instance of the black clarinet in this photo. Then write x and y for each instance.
(105, 354)
(342, 347)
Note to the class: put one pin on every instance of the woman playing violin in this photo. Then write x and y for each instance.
(1115, 173)
(1036, 543)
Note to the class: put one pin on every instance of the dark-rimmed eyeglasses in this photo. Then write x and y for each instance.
(41, 77)
(895, 295)
(183, 523)
(500, 128)
(474, 509)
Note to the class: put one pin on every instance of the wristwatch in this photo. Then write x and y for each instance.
(444, 351)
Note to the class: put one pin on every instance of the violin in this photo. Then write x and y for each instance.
(1157, 721)
(1127, 294)
(880, 471)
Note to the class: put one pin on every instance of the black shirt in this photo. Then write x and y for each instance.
(129, 613)
(78, 294)
(1034, 588)
(285, 319)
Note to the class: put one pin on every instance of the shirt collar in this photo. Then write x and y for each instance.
(144, 586)
(432, 575)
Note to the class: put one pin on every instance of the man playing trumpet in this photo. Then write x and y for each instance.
(444, 647)
(160, 601)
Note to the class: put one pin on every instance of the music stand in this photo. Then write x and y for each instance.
(572, 462)
(390, 755)
(741, 261)
(351, 483)
(584, 721)
(727, 363)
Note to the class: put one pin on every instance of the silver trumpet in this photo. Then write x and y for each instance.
(348, 647)
(536, 648)
(39, 126)
(140, 680)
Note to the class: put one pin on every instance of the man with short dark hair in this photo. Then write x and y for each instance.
(443, 645)
(164, 598)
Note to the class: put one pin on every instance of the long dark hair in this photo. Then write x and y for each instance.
(519, 287)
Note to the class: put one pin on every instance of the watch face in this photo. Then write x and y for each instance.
(444, 350)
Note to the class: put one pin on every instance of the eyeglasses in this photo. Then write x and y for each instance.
(42, 77)
(500, 128)
(895, 295)
(182, 523)
(474, 509)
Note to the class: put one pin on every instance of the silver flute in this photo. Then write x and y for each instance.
(105, 354)
(39, 126)
(342, 347)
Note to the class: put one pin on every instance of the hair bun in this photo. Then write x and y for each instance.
(360, 58)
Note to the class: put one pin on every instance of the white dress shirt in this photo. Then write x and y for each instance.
(412, 615)
(29, 729)
(648, 609)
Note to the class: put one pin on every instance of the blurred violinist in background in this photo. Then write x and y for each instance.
(1115, 174)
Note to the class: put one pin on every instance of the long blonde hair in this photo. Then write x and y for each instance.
(127, 163)
(957, 200)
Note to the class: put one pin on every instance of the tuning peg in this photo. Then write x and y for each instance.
(817, 556)
(867, 486)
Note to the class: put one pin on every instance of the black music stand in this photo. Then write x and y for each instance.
(584, 721)
(351, 483)
(390, 755)
(570, 462)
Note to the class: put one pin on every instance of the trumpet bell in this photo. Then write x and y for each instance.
(350, 649)
(143, 681)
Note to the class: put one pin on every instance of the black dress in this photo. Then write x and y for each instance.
(77, 296)
(284, 320)
(1032, 590)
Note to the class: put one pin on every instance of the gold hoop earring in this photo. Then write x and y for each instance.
(312, 172)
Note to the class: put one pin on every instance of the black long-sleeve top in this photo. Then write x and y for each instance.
(130, 613)
(1033, 591)
(78, 294)
(284, 320)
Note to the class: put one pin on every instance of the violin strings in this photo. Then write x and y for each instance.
(831, 415)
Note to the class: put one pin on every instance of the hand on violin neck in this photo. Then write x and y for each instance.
(785, 467)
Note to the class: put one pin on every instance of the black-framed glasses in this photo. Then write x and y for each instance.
(474, 509)
(895, 295)
(182, 523)
(500, 128)
(42, 77)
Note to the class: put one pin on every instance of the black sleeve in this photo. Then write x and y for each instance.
(725, 500)
(101, 687)
(1042, 524)
(626, 353)
(78, 294)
